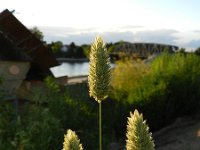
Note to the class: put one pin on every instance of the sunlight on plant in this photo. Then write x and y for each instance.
(127, 74)
(138, 135)
(99, 71)
(71, 141)
(99, 76)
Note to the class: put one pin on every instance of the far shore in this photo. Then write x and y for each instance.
(72, 60)
(75, 60)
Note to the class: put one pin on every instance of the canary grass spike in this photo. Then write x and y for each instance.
(99, 70)
(99, 76)
(138, 135)
(71, 141)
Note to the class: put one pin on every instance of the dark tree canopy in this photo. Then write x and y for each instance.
(37, 33)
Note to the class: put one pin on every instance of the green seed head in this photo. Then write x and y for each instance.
(71, 141)
(138, 135)
(99, 71)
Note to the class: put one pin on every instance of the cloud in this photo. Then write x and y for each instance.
(194, 44)
(187, 39)
(131, 28)
(157, 36)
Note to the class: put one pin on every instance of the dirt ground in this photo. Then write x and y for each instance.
(183, 134)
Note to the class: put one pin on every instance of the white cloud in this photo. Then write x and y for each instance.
(187, 39)
(80, 21)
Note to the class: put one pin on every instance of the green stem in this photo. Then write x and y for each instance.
(100, 127)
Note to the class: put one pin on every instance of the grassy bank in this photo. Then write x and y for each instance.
(167, 88)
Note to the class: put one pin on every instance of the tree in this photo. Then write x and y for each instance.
(111, 47)
(71, 50)
(56, 46)
(86, 50)
(37, 33)
(79, 52)
(182, 50)
(197, 51)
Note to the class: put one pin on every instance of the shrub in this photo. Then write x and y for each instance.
(127, 75)
(169, 89)
(47, 116)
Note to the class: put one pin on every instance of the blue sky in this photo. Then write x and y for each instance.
(162, 21)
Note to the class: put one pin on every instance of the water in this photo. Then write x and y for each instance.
(71, 69)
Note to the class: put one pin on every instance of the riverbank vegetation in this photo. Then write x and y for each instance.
(164, 89)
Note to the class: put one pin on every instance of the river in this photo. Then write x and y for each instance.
(71, 69)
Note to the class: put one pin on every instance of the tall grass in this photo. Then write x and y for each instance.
(99, 77)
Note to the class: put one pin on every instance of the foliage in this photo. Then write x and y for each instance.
(126, 75)
(40, 125)
(37, 33)
(71, 141)
(75, 51)
(182, 50)
(56, 46)
(52, 84)
(110, 47)
(7, 126)
(168, 89)
(47, 116)
(138, 135)
(163, 90)
(197, 51)
(74, 111)
(86, 50)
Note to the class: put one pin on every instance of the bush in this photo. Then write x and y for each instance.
(41, 123)
(169, 89)
(126, 76)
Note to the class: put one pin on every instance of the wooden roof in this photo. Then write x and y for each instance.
(22, 38)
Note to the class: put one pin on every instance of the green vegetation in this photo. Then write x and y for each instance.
(165, 89)
(99, 71)
(138, 135)
(127, 75)
(71, 141)
(37, 33)
(99, 77)
(41, 123)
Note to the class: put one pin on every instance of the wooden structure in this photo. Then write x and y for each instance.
(12, 73)
(24, 59)
(18, 37)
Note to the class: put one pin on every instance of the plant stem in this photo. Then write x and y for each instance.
(100, 127)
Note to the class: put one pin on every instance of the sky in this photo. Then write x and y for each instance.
(172, 22)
